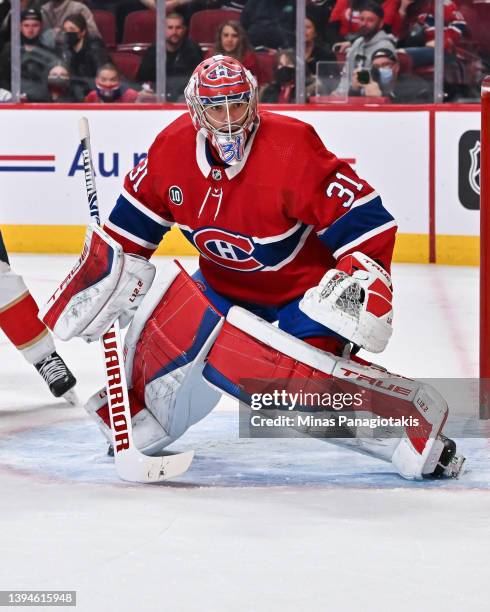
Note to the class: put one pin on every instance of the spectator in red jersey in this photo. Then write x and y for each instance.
(416, 29)
(232, 40)
(109, 87)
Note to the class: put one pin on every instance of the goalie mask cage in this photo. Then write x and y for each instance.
(485, 247)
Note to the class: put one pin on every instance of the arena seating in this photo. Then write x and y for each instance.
(127, 62)
(106, 22)
(140, 27)
(203, 24)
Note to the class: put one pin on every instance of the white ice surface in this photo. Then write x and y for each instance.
(255, 525)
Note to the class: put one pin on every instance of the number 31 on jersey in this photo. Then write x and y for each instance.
(345, 194)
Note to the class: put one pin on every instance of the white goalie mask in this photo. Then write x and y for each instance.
(222, 99)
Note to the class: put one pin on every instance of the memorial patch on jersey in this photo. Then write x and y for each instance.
(175, 195)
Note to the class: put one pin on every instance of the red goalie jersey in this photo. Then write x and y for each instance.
(268, 227)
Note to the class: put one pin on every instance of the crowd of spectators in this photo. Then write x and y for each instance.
(353, 48)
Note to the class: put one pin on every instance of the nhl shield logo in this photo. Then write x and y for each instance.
(216, 174)
(474, 173)
(469, 170)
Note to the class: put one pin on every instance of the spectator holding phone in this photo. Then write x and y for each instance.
(371, 38)
(383, 79)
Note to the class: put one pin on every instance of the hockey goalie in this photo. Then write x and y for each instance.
(293, 278)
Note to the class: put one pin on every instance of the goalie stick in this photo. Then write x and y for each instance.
(131, 464)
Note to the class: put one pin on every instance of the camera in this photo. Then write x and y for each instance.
(363, 76)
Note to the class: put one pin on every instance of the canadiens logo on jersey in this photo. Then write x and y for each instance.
(226, 249)
(246, 253)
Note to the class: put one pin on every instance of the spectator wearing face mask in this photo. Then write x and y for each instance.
(283, 88)
(109, 87)
(82, 53)
(34, 56)
(386, 81)
(59, 86)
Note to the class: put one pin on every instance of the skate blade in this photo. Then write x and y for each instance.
(71, 397)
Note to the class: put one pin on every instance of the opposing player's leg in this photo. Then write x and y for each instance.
(20, 323)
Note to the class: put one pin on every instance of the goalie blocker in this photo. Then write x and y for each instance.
(182, 355)
(105, 284)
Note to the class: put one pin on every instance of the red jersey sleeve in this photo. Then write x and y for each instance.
(345, 211)
(141, 217)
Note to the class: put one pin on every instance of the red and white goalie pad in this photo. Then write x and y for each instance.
(165, 349)
(354, 300)
(252, 356)
(105, 284)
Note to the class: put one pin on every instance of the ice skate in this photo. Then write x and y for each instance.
(449, 465)
(58, 377)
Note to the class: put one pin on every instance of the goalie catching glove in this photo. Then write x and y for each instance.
(105, 284)
(354, 300)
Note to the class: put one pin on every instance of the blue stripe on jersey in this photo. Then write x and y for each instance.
(129, 218)
(273, 253)
(355, 223)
